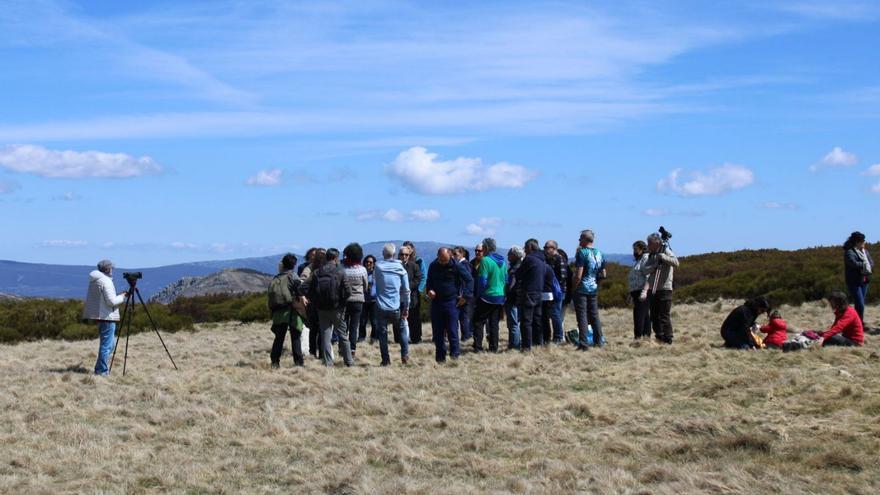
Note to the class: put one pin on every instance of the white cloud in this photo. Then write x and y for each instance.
(655, 212)
(775, 205)
(68, 196)
(184, 245)
(268, 178)
(7, 186)
(714, 181)
(425, 215)
(872, 170)
(486, 226)
(395, 215)
(876, 188)
(420, 170)
(64, 243)
(36, 160)
(838, 157)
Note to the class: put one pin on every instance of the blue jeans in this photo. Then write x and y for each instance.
(511, 312)
(556, 318)
(107, 331)
(383, 317)
(464, 319)
(859, 293)
(444, 322)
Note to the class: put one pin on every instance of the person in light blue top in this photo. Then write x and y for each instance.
(392, 302)
(589, 270)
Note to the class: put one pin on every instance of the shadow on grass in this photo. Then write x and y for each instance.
(74, 368)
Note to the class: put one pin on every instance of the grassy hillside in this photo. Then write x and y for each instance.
(785, 277)
(630, 418)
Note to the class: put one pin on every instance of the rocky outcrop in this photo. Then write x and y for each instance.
(233, 281)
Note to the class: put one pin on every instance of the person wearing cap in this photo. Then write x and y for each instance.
(102, 307)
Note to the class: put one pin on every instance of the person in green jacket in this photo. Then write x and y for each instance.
(491, 281)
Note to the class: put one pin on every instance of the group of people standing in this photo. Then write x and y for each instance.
(529, 288)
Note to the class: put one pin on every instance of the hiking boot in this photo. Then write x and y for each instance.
(275, 366)
(405, 359)
(385, 363)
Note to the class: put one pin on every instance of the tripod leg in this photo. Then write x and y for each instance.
(128, 299)
(127, 335)
(147, 311)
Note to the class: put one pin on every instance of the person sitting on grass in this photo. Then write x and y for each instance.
(737, 327)
(847, 329)
(776, 331)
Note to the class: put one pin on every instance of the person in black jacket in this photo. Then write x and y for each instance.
(326, 289)
(449, 287)
(414, 275)
(461, 255)
(552, 310)
(737, 327)
(530, 279)
(858, 268)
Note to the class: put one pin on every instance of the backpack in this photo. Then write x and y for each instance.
(330, 289)
(557, 290)
(280, 296)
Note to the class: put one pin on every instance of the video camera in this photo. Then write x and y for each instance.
(132, 277)
(665, 235)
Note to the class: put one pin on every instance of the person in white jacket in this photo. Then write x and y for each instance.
(102, 307)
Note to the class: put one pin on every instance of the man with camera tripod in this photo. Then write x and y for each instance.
(659, 270)
(102, 307)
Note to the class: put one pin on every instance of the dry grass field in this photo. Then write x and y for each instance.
(634, 417)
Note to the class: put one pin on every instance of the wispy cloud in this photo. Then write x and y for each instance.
(486, 226)
(836, 158)
(51, 23)
(712, 182)
(510, 74)
(65, 243)
(656, 212)
(68, 196)
(838, 10)
(266, 178)
(395, 215)
(420, 171)
(873, 170)
(36, 160)
(775, 205)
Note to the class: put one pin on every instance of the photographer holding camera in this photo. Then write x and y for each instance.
(102, 307)
(659, 270)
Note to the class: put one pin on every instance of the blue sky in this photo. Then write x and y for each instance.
(180, 131)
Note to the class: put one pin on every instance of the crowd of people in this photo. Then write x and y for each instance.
(530, 288)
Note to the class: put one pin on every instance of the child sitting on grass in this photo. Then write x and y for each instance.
(775, 330)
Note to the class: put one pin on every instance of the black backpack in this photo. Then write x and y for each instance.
(330, 290)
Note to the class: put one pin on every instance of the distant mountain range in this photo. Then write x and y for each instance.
(71, 281)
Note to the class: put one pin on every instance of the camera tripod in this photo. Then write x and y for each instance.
(128, 312)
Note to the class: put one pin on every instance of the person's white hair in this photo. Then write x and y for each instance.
(588, 235)
(104, 266)
(517, 252)
(388, 250)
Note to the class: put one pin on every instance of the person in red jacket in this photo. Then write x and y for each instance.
(775, 330)
(847, 328)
